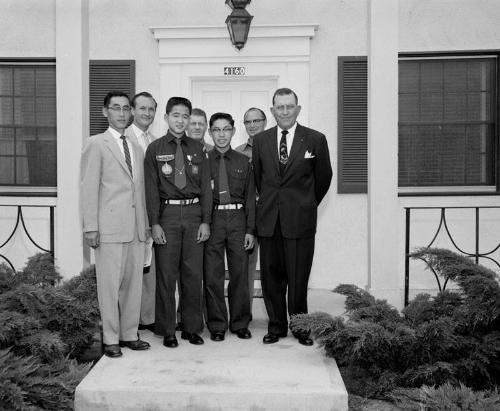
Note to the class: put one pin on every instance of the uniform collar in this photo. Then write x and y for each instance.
(171, 137)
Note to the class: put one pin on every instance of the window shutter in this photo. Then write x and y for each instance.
(105, 76)
(353, 125)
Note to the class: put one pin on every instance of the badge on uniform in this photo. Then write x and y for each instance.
(165, 157)
(212, 183)
(194, 169)
(166, 169)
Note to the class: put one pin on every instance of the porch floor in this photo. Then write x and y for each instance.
(230, 375)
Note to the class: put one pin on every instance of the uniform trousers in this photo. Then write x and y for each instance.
(180, 259)
(227, 234)
(119, 283)
(284, 262)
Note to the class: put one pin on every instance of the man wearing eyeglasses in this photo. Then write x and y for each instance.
(115, 224)
(255, 122)
(232, 230)
(292, 174)
(143, 111)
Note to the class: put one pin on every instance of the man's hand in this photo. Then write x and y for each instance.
(203, 233)
(249, 241)
(148, 233)
(92, 238)
(158, 234)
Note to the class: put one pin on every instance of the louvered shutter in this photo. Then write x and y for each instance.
(105, 76)
(352, 125)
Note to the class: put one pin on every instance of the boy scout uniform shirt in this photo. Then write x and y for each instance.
(159, 173)
(240, 179)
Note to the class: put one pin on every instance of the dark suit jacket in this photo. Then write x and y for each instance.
(297, 194)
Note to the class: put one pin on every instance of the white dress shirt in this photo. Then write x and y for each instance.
(289, 138)
(143, 137)
(117, 137)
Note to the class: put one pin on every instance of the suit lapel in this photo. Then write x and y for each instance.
(273, 146)
(299, 141)
(110, 142)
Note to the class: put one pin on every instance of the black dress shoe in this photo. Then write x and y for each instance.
(243, 333)
(192, 338)
(217, 336)
(150, 327)
(270, 338)
(304, 339)
(137, 345)
(112, 350)
(170, 341)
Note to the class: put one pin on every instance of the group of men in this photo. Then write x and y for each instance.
(162, 213)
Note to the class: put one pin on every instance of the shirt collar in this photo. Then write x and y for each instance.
(291, 130)
(227, 154)
(171, 137)
(137, 131)
(114, 133)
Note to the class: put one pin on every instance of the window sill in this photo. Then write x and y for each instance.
(447, 191)
(13, 191)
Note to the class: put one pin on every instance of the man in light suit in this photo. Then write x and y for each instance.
(115, 224)
(292, 174)
(143, 111)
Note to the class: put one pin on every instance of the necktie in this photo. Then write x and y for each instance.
(127, 154)
(224, 195)
(180, 175)
(145, 141)
(283, 151)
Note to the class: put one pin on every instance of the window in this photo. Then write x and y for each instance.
(448, 134)
(447, 122)
(28, 124)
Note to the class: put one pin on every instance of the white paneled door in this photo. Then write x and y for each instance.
(234, 96)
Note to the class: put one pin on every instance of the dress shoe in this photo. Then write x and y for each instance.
(217, 336)
(243, 333)
(112, 350)
(150, 327)
(137, 345)
(192, 338)
(271, 338)
(304, 339)
(170, 341)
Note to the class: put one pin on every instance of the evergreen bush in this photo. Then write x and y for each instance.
(45, 326)
(452, 338)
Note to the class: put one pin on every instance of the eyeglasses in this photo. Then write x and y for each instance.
(253, 122)
(124, 109)
(224, 130)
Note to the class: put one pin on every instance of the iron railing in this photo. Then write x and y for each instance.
(20, 219)
(443, 224)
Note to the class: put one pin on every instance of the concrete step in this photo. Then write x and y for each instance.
(230, 375)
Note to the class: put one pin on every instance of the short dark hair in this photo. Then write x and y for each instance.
(143, 94)
(199, 112)
(221, 116)
(178, 101)
(255, 109)
(112, 94)
(285, 92)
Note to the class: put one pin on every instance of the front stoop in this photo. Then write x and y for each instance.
(230, 375)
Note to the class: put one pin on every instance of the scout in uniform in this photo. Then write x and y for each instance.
(232, 230)
(179, 204)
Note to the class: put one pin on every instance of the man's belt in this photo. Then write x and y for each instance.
(186, 201)
(228, 206)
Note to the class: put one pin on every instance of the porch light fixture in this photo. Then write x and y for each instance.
(238, 22)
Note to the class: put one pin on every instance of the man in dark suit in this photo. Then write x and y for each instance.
(292, 174)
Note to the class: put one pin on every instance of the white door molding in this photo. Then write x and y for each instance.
(272, 51)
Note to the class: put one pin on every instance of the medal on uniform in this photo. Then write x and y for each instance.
(194, 169)
(166, 169)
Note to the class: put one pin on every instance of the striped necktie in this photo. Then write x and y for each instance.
(126, 151)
